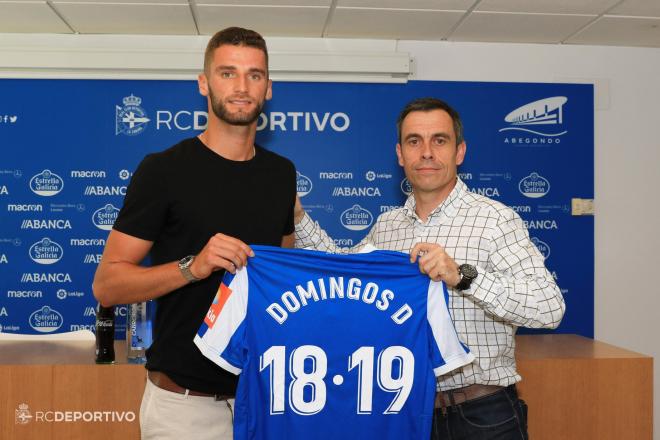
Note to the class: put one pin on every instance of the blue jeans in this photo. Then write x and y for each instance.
(499, 416)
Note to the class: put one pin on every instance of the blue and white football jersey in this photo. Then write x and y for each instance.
(332, 346)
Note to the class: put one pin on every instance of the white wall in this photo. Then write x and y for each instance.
(627, 162)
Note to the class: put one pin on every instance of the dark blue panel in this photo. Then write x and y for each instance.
(69, 146)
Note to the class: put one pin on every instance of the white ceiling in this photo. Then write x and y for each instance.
(594, 22)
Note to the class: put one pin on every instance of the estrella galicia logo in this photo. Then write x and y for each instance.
(131, 119)
(356, 218)
(303, 184)
(534, 186)
(548, 111)
(46, 183)
(103, 218)
(46, 251)
(542, 246)
(22, 415)
(46, 320)
(406, 187)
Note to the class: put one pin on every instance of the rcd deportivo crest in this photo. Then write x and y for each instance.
(22, 414)
(131, 119)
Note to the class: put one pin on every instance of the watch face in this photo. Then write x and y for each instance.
(186, 261)
(468, 271)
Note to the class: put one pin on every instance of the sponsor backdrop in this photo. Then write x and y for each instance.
(69, 148)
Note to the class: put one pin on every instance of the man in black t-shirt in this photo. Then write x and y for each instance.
(193, 208)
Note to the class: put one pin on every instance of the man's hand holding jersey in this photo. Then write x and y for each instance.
(436, 263)
(221, 252)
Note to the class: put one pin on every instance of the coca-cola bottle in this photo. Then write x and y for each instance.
(105, 335)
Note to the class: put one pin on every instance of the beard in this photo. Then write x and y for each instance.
(236, 118)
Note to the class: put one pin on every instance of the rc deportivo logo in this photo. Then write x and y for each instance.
(22, 415)
(548, 111)
(131, 119)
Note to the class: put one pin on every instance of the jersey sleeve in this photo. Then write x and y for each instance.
(145, 208)
(447, 351)
(221, 337)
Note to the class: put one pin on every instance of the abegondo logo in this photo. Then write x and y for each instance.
(46, 183)
(46, 320)
(527, 119)
(303, 184)
(103, 218)
(46, 251)
(356, 218)
(534, 186)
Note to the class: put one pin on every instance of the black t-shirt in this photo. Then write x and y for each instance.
(178, 199)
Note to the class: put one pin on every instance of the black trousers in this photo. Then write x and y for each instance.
(499, 416)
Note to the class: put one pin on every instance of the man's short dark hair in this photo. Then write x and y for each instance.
(235, 36)
(427, 105)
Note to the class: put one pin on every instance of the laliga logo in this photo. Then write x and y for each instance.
(303, 184)
(548, 111)
(542, 246)
(46, 320)
(46, 183)
(22, 415)
(46, 251)
(105, 217)
(131, 119)
(356, 218)
(534, 186)
(406, 187)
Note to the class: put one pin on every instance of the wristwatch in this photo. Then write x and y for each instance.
(468, 273)
(184, 267)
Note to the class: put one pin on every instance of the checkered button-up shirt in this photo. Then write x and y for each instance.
(513, 289)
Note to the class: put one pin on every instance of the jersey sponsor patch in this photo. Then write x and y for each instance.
(218, 303)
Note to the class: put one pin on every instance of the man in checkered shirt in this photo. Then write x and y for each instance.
(481, 249)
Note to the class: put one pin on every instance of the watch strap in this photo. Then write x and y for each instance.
(184, 267)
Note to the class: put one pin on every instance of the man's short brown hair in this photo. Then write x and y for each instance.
(427, 105)
(235, 36)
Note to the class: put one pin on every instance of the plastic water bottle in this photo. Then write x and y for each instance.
(105, 335)
(139, 320)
